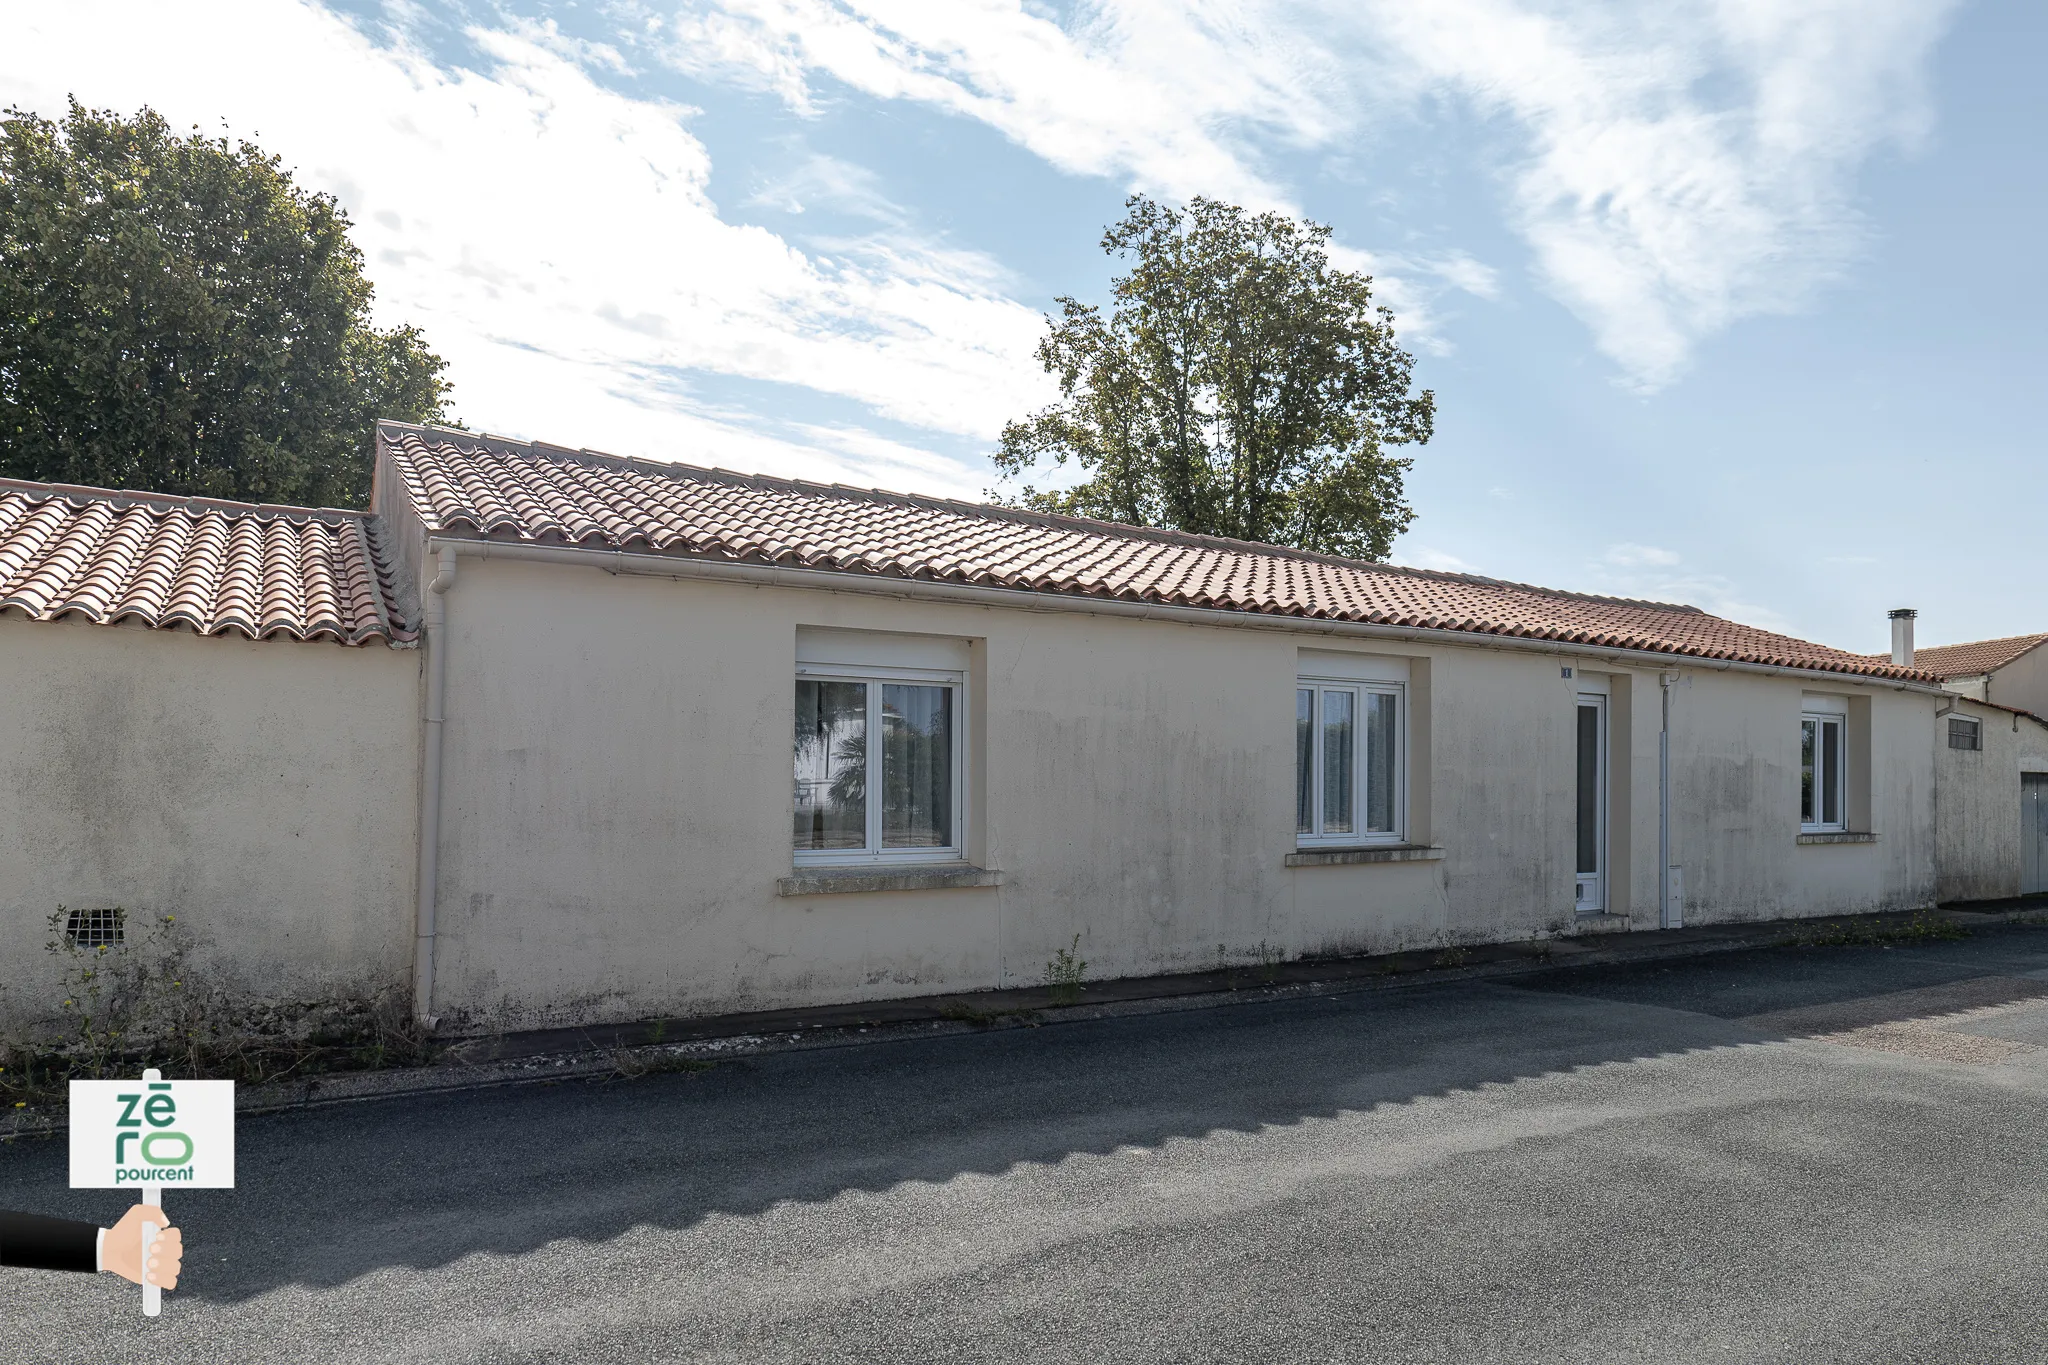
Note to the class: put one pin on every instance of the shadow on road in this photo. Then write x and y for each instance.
(325, 1196)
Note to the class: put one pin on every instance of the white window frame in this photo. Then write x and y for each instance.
(1359, 689)
(874, 853)
(1822, 781)
(1589, 895)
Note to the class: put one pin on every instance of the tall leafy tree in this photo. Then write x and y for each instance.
(1240, 385)
(177, 314)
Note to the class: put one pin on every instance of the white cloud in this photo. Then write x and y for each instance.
(556, 239)
(1686, 165)
(1167, 94)
(829, 182)
(1673, 167)
(1650, 572)
(1631, 556)
(1427, 557)
(1108, 94)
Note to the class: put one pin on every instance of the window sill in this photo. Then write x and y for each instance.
(1374, 853)
(1837, 836)
(832, 881)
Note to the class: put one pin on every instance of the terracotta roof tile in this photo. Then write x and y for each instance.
(109, 556)
(465, 484)
(1970, 659)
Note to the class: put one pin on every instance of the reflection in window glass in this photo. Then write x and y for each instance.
(1806, 748)
(1379, 763)
(1339, 740)
(1304, 761)
(1821, 772)
(1347, 755)
(831, 764)
(917, 766)
(1831, 772)
(1589, 790)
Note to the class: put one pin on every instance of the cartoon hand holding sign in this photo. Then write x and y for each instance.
(148, 1134)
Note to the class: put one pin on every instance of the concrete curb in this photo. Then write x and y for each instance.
(597, 1062)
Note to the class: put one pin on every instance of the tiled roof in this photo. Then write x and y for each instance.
(109, 556)
(464, 484)
(1972, 658)
(2001, 706)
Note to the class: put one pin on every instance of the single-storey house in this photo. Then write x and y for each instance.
(1991, 801)
(2011, 672)
(1991, 761)
(565, 737)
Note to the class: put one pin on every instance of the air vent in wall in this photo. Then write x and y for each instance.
(93, 928)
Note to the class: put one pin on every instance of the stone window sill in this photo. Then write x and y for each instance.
(1376, 853)
(1836, 836)
(832, 881)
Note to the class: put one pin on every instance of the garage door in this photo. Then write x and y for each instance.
(2033, 833)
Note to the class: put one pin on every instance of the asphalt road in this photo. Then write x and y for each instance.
(1784, 1155)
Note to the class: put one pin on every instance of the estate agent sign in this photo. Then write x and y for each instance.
(146, 1134)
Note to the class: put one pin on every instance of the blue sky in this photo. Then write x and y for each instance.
(1735, 302)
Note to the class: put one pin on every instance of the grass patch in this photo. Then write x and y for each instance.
(630, 1064)
(961, 1012)
(1922, 928)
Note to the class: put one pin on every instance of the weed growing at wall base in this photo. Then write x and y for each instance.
(1922, 928)
(142, 1000)
(1064, 972)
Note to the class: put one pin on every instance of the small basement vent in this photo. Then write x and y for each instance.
(1964, 734)
(93, 928)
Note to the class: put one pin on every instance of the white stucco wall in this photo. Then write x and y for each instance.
(1735, 782)
(261, 791)
(618, 787)
(2023, 683)
(1977, 802)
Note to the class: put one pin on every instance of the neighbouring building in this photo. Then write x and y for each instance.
(1991, 761)
(2012, 672)
(1991, 801)
(578, 738)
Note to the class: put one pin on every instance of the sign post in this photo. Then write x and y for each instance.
(152, 1296)
(149, 1134)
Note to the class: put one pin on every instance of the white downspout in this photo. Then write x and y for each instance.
(1666, 919)
(436, 632)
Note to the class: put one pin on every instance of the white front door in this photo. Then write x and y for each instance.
(1592, 804)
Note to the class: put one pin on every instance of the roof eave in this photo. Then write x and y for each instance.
(684, 564)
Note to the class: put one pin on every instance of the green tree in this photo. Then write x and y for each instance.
(176, 314)
(1240, 386)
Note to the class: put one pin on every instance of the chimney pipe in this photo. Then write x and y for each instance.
(1902, 636)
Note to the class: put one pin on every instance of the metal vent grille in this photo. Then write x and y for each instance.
(93, 928)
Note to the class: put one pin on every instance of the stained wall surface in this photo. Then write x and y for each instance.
(618, 785)
(261, 791)
(616, 817)
(1977, 801)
